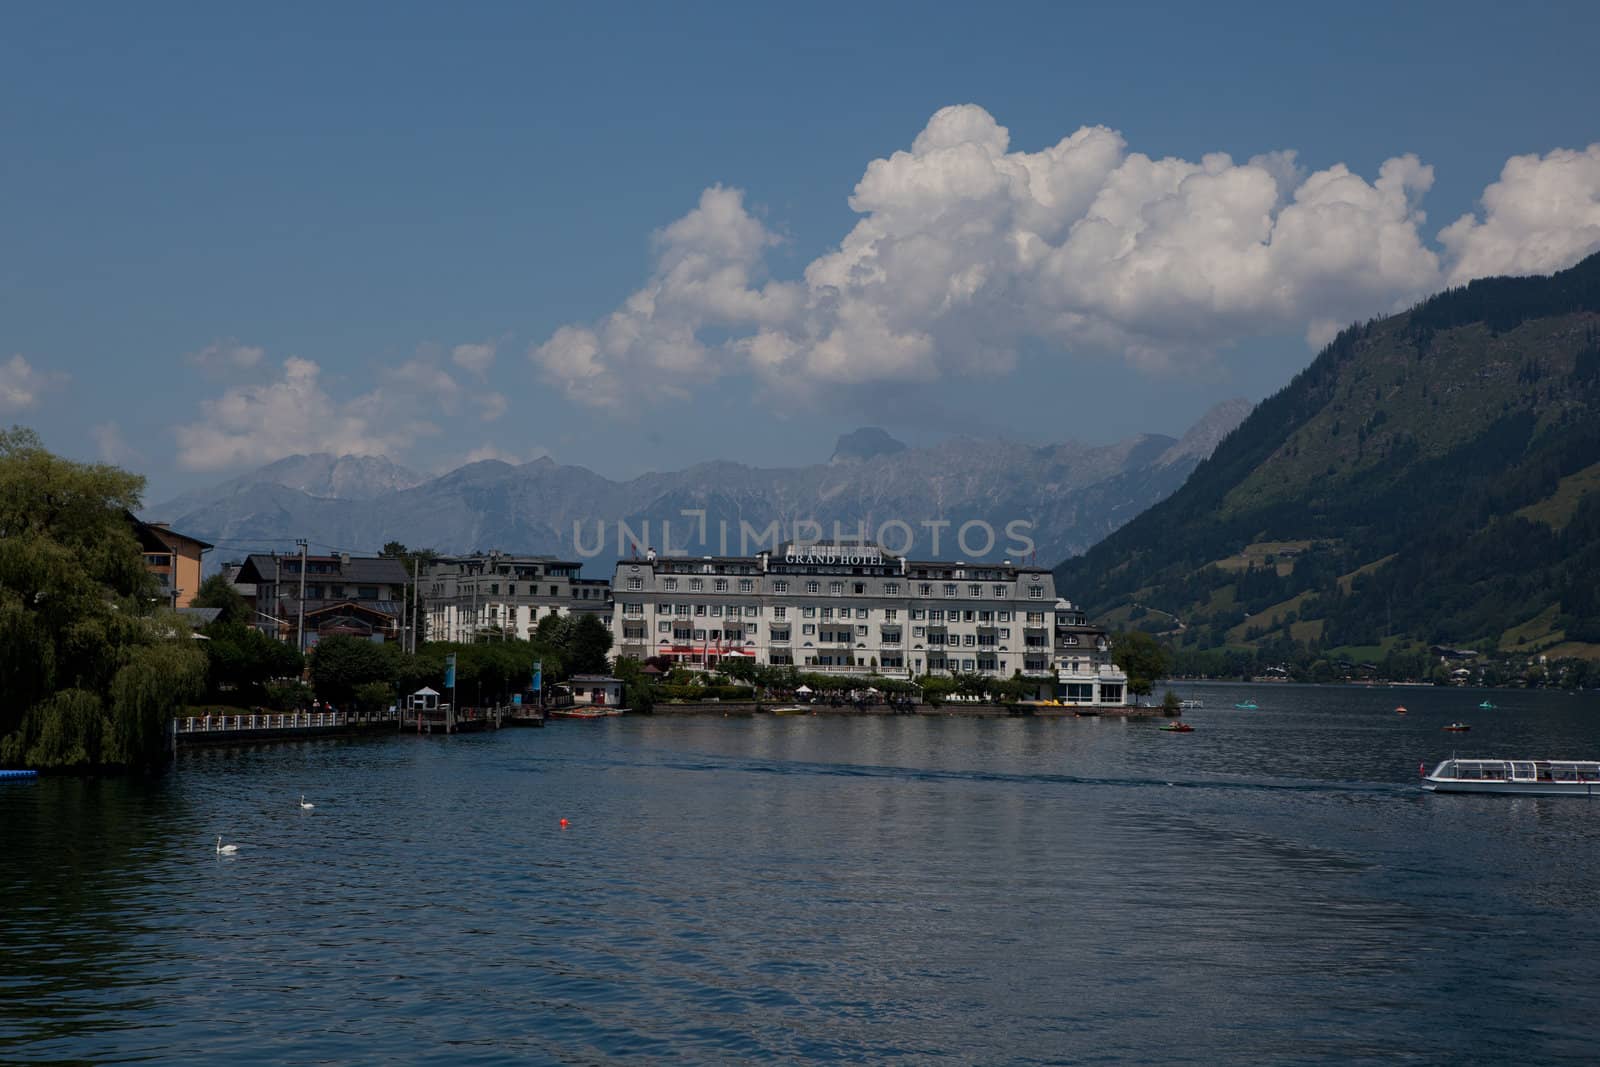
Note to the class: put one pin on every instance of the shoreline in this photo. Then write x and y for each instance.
(747, 709)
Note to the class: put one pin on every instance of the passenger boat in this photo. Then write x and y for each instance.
(1458, 727)
(792, 709)
(584, 711)
(1533, 777)
(1487, 706)
(1191, 703)
(1178, 728)
(1247, 705)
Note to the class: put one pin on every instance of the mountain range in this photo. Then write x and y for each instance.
(1058, 499)
(1432, 478)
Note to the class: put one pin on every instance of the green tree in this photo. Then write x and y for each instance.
(339, 665)
(1142, 657)
(217, 592)
(638, 694)
(240, 661)
(582, 643)
(91, 669)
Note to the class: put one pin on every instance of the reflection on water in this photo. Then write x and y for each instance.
(1272, 886)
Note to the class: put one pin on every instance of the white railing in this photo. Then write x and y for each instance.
(292, 720)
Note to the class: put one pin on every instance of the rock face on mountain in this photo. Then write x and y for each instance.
(1431, 478)
(318, 475)
(869, 442)
(1044, 502)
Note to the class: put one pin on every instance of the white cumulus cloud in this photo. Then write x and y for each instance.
(477, 358)
(708, 275)
(22, 385)
(226, 355)
(1541, 216)
(255, 424)
(488, 450)
(966, 248)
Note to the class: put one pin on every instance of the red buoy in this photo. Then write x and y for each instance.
(563, 824)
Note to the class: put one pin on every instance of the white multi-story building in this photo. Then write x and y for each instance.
(466, 597)
(856, 609)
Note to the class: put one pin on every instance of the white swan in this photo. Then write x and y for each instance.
(304, 806)
(225, 850)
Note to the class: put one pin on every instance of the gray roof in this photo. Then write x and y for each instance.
(264, 567)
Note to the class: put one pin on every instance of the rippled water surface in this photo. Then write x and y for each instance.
(1272, 887)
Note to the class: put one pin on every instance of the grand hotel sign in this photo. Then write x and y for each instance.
(833, 555)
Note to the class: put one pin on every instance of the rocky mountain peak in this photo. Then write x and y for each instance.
(866, 443)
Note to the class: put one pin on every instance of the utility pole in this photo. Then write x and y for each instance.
(415, 578)
(300, 625)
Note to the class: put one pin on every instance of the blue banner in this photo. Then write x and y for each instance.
(450, 671)
(538, 675)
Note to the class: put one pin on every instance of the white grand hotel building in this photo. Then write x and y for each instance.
(850, 608)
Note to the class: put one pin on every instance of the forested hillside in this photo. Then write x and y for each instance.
(1431, 478)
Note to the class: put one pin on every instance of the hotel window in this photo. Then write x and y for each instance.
(968, 665)
(632, 611)
(924, 589)
(1035, 617)
(699, 635)
(780, 587)
(813, 587)
(861, 631)
(891, 615)
(919, 613)
(969, 640)
(835, 588)
(733, 611)
(891, 589)
(1005, 616)
(1070, 639)
(974, 590)
(716, 610)
(1005, 631)
(696, 584)
(986, 616)
(950, 589)
(1036, 592)
(747, 585)
(936, 615)
(808, 628)
(809, 613)
(681, 609)
(780, 612)
(861, 587)
(664, 626)
(721, 585)
(635, 583)
(918, 631)
(827, 613)
(669, 583)
(999, 592)
(700, 610)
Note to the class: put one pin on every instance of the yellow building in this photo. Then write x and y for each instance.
(174, 559)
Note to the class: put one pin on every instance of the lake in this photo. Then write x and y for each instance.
(1272, 887)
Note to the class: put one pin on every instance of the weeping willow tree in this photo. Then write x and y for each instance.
(90, 669)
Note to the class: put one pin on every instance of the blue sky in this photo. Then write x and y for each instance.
(437, 216)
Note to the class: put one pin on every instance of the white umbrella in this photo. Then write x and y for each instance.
(803, 689)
